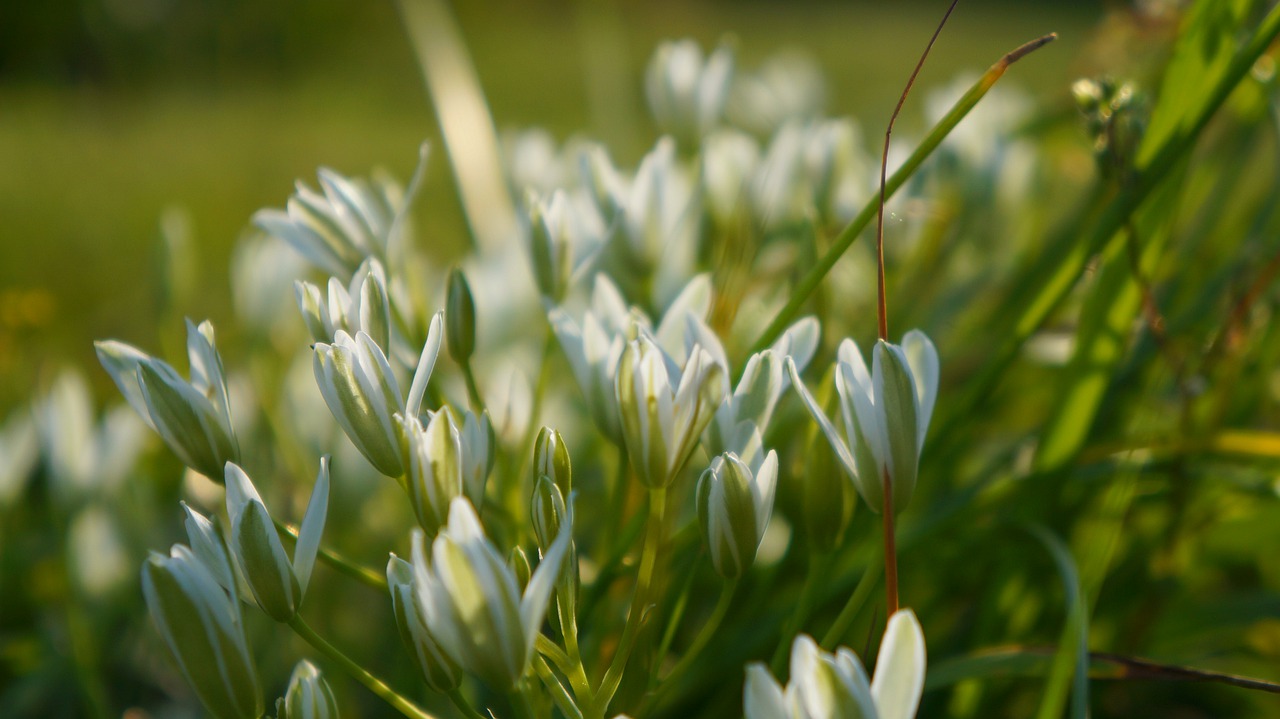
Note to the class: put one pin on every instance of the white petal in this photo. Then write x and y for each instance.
(426, 363)
(922, 358)
(900, 668)
(815, 410)
(304, 554)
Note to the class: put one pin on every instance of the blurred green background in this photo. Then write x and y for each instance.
(113, 110)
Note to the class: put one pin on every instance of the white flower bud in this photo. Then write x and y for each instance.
(472, 602)
(734, 505)
(309, 695)
(193, 418)
(203, 628)
(686, 93)
(886, 414)
(661, 423)
(439, 671)
(277, 583)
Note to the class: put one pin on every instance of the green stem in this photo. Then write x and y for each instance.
(677, 615)
(648, 560)
(463, 705)
(473, 390)
(522, 700)
(357, 672)
(550, 650)
(727, 591)
(815, 574)
(337, 561)
(861, 593)
(577, 675)
(845, 239)
(558, 693)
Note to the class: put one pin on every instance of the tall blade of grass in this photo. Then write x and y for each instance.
(1069, 672)
(1201, 56)
(465, 123)
(1053, 278)
(850, 233)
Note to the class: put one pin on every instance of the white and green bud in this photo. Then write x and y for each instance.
(547, 511)
(202, 626)
(886, 414)
(278, 584)
(479, 452)
(660, 211)
(309, 695)
(362, 392)
(435, 470)
(460, 318)
(472, 601)
(744, 416)
(552, 242)
(835, 685)
(193, 418)
(734, 505)
(335, 231)
(363, 306)
(663, 410)
(439, 671)
(729, 161)
(593, 351)
(519, 563)
(551, 459)
(206, 542)
(687, 92)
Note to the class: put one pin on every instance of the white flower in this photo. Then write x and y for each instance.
(308, 695)
(886, 414)
(686, 92)
(353, 219)
(193, 418)
(664, 408)
(734, 505)
(203, 628)
(445, 462)
(277, 582)
(363, 306)
(565, 234)
(364, 396)
(472, 603)
(835, 686)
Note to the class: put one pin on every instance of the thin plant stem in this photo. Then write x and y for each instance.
(473, 390)
(463, 705)
(357, 672)
(881, 306)
(846, 238)
(677, 615)
(339, 562)
(567, 609)
(890, 551)
(558, 693)
(857, 599)
(814, 575)
(639, 601)
(552, 651)
(522, 700)
(709, 629)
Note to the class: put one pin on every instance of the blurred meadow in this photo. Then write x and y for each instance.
(113, 112)
(1102, 473)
